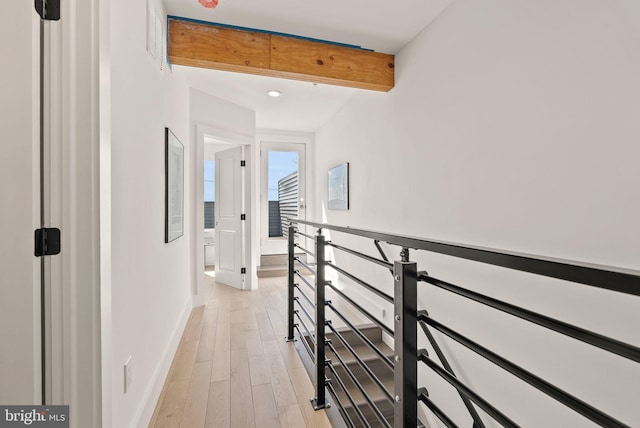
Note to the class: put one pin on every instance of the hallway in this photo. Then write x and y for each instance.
(233, 367)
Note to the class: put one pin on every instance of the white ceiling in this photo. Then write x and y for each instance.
(302, 106)
(383, 26)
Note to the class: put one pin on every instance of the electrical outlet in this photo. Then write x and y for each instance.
(128, 375)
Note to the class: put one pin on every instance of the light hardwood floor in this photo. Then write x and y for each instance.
(233, 367)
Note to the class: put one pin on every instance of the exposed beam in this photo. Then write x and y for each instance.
(230, 49)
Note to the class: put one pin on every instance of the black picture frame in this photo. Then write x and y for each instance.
(174, 187)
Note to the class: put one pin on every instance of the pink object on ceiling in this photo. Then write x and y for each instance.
(208, 3)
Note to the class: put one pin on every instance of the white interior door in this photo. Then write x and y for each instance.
(283, 192)
(20, 358)
(229, 207)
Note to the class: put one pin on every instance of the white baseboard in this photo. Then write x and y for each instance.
(145, 411)
(198, 300)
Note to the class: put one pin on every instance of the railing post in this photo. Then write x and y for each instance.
(405, 340)
(292, 239)
(320, 401)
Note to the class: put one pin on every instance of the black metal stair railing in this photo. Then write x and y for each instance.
(408, 317)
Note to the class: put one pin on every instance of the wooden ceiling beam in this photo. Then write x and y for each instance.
(209, 46)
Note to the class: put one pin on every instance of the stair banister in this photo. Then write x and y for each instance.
(320, 400)
(290, 282)
(407, 357)
(405, 276)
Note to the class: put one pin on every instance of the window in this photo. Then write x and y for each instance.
(283, 190)
(209, 194)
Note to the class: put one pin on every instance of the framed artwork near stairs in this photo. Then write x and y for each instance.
(338, 187)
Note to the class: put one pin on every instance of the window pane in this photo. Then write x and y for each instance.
(283, 190)
(209, 180)
(209, 193)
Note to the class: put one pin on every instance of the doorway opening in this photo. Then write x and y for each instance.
(209, 216)
(224, 210)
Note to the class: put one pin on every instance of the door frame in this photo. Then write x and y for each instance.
(264, 137)
(76, 175)
(197, 226)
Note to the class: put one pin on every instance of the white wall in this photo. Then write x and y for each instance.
(512, 125)
(150, 280)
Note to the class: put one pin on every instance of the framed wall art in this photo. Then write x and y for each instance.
(174, 187)
(338, 187)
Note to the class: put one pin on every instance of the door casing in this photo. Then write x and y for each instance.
(233, 138)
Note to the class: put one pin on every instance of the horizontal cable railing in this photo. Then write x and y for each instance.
(304, 295)
(621, 280)
(343, 410)
(305, 235)
(362, 364)
(362, 336)
(344, 388)
(595, 339)
(305, 312)
(423, 396)
(304, 280)
(533, 380)
(305, 250)
(467, 392)
(357, 383)
(361, 309)
(351, 389)
(382, 263)
(361, 282)
(307, 347)
(306, 266)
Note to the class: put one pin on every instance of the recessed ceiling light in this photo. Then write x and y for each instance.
(274, 94)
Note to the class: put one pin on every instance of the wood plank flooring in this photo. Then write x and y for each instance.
(233, 367)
